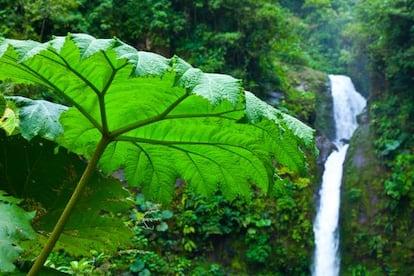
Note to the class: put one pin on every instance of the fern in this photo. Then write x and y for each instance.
(156, 118)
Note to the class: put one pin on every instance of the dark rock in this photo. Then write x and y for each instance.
(274, 98)
(362, 199)
(325, 147)
(344, 141)
(363, 118)
(324, 121)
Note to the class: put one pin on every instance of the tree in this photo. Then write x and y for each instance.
(176, 122)
(245, 39)
(37, 19)
(382, 31)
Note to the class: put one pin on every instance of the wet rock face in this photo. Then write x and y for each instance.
(362, 200)
(363, 118)
(324, 121)
(325, 147)
(324, 124)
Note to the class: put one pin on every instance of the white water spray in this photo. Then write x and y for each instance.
(347, 104)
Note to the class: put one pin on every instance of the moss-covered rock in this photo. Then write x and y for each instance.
(324, 121)
(360, 199)
(308, 98)
(376, 230)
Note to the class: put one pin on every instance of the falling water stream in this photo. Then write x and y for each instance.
(347, 104)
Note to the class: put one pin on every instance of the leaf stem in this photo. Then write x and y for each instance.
(57, 231)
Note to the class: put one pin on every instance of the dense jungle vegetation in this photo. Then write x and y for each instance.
(377, 215)
(282, 51)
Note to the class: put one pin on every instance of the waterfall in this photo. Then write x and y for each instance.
(347, 104)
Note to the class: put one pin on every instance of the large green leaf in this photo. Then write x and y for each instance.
(291, 134)
(164, 119)
(14, 227)
(45, 179)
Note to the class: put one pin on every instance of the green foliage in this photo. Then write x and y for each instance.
(307, 100)
(61, 262)
(36, 19)
(235, 237)
(385, 50)
(402, 178)
(387, 203)
(46, 180)
(259, 250)
(82, 267)
(241, 40)
(355, 194)
(177, 122)
(93, 222)
(204, 218)
(148, 24)
(392, 133)
(376, 246)
(216, 36)
(393, 141)
(14, 228)
(231, 236)
(149, 215)
(320, 27)
(377, 218)
(390, 45)
(246, 41)
(358, 270)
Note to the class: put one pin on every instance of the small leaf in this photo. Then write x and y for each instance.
(145, 272)
(263, 222)
(162, 227)
(139, 199)
(38, 117)
(14, 227)
(137, 266)
(251, 231)
(9, 122)
(167, 214)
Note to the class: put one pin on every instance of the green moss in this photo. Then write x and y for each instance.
(307, 91)
(376, 230)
